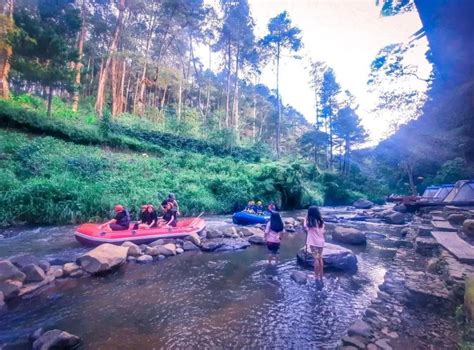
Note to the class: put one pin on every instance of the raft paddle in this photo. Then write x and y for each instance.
(197, 217)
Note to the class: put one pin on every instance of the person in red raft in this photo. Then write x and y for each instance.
(120, 222)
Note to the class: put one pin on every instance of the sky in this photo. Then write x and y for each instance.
(347, 35)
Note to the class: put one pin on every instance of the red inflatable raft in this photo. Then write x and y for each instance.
(92, 234)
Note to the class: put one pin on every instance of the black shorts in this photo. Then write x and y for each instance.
(273, 247)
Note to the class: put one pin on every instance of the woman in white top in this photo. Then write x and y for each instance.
(314, 226)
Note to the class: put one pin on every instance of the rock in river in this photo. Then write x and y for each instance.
(468, 227)
(334, 257)
(8, 271)
(103, 258)
(363, 204)
(299, 277)
(348, 235)
(33, 273)
(133, 249)
(188, 245)
(395, 218)
(257, 239)
(144, 259)
(56, 339)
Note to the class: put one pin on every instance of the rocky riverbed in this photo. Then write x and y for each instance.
(398, 314)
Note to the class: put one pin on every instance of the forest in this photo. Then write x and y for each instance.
(107, 101)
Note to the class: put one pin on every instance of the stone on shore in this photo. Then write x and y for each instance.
(144, 259)
(299, 277)
(56, 339)
(468, 227)
(133, 249)
(334, 257)
(189, 246)
(229, 232)
(213, 232)
(103, 258)
(157, 243)
(349, 235)
(257, 239)
(363, 204)
(33, 273)
(153, 251)
(8, 271)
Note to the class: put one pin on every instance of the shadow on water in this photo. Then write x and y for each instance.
(231, 299)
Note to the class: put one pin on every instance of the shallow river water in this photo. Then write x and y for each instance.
(227, 299)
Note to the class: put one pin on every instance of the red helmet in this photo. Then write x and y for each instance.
(118, 208)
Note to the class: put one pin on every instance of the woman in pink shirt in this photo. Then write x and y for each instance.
(273, 236)
(314, 226)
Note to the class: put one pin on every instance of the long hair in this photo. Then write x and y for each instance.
(276, 223)
(314, 218)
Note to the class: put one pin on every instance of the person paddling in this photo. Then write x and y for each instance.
(149, 219)
(273, 236)
(169, 215)
(143, 217)
(172, 199)
(120, 222)
(314, 226)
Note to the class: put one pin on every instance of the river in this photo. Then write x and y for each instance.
(226, 299)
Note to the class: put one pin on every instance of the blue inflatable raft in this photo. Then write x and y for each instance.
(245, 218)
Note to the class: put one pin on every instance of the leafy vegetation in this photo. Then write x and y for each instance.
(45, 180)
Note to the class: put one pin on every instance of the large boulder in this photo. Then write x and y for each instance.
(133, 249)
(33, 273)
(348, 235)
(8, 271)
(257, 239)
(247, 231)
(103, 258)
(189, 246)
(56, 339)
(193, 238)
(363, 204)
(401, 208)
(230, 232)
(395, 218)
(168, 249)
(468, 227)
(10, 288)
(229, 244)
(211, 245)
(360, 328)
(299, 277)
(21, 261)
(334, 257)
(290, 221)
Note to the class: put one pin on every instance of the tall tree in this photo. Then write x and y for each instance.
(282, 35)
(6, 26)
(347, 127)
(80, 49)
(43, 44)
(99, 103)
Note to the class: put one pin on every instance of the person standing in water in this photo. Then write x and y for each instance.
(314, 226)
(273, 236)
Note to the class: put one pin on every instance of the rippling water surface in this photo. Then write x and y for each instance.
(228, 299)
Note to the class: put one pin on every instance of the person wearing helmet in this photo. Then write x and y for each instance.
(250, 208)
(120, 222)
(259, 208)
(172, 199)
(169, 215)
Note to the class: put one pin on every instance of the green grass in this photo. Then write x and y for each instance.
(71, 169)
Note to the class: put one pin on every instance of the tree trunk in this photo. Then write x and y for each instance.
(141, 93)
(180, 92)
(99, 104)
(330, 143)
(227, 101)
(278, 126)
(236, 96)
(50, 101)
(80, 49)
(6, 24)
(127, 92)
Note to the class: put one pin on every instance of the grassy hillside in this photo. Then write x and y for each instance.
(55, 170)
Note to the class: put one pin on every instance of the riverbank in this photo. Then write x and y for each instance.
(391, 322)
